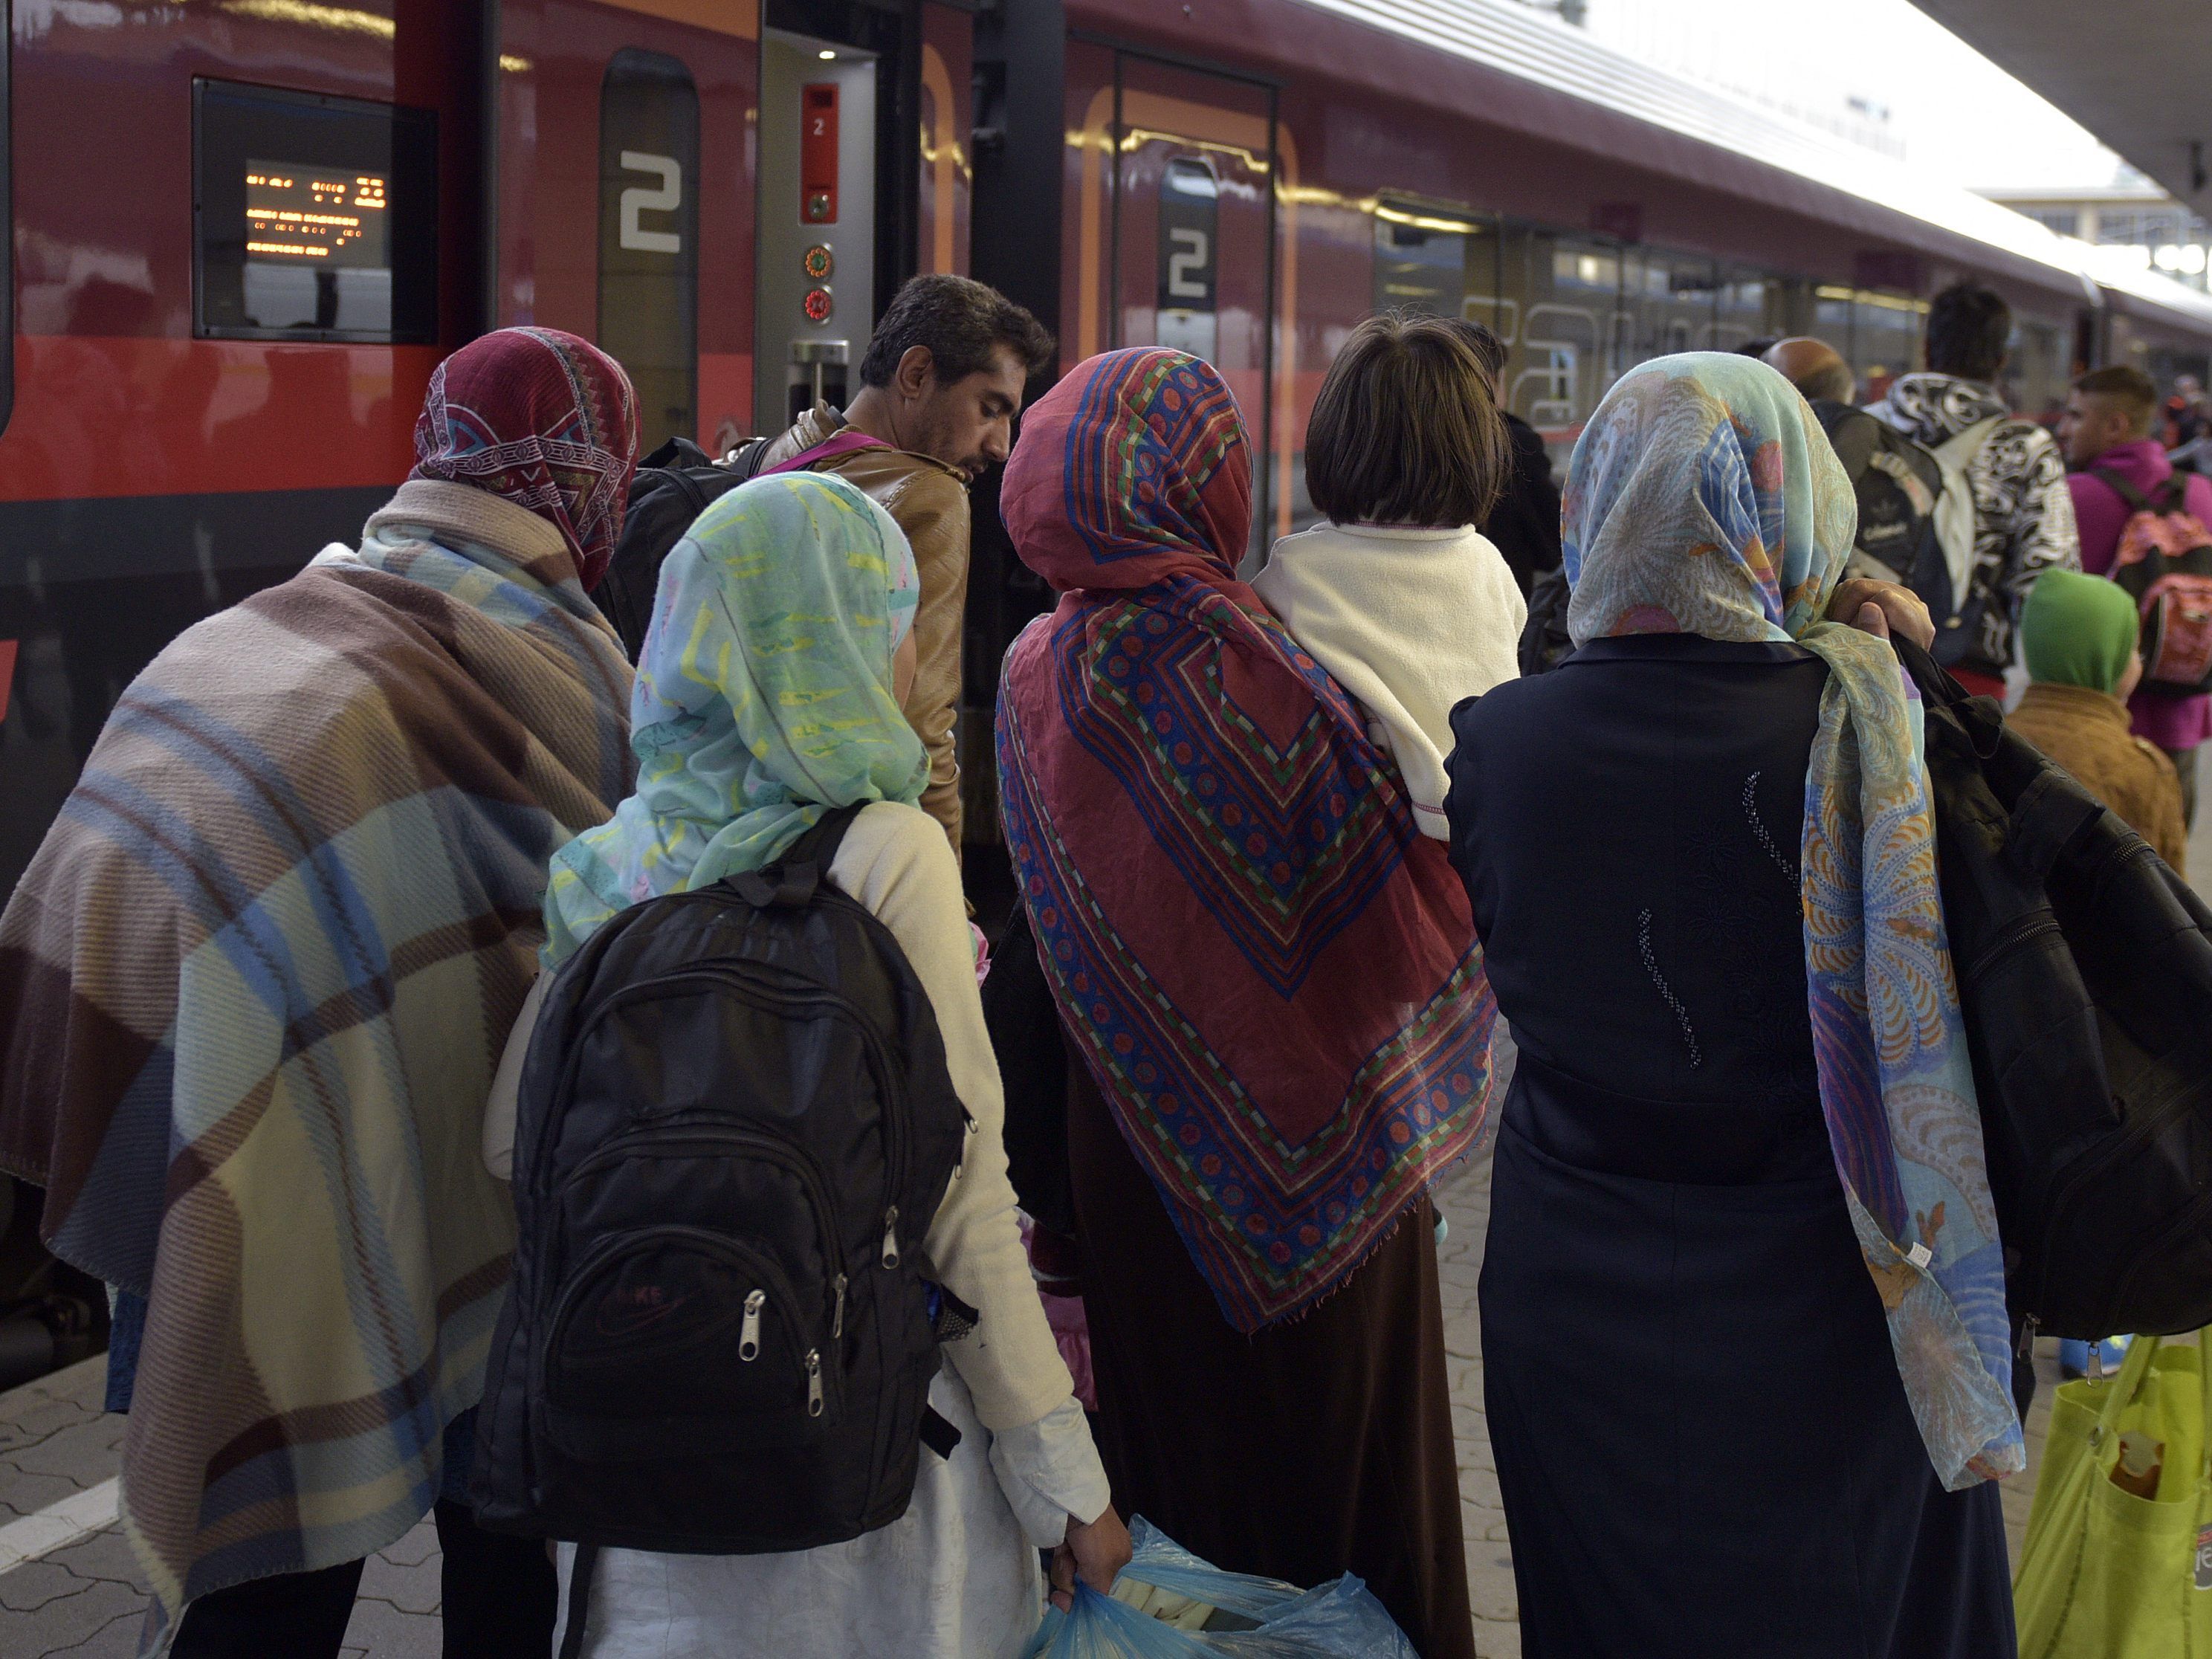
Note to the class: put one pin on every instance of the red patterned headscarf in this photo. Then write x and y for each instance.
(1270, 972)
(543, 418)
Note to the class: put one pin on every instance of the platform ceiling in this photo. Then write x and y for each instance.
(2136, 73)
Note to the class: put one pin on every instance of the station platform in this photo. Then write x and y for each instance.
(69, 1586)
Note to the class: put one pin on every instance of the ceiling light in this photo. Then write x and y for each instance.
(827, 56)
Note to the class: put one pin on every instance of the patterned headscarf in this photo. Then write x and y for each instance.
(1270, 972)
(763, 698)
(1704, 499)
(545, 419)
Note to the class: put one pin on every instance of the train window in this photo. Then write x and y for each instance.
(1423, 256)
(314, 218)
(1190, 254)
(649, 235)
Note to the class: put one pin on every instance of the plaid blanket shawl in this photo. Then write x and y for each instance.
(252, 991)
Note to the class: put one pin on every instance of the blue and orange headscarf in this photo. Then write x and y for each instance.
(1702, 498)
(1269, 971)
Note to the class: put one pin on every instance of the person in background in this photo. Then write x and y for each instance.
(1524, 523)
(253, 989)
(1743, 1319)
(2024, 516)
(770, 693)
(2078, 635)
(941, 385)
(2184, 416)
(1895, 480)
(2106, 433)
(1816, 368)
(1407, 605)
(1757, 347)
(1237, 915)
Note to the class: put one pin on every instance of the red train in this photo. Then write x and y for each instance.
(243, 231)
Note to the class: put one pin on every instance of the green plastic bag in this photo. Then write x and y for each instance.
(2106, 1574)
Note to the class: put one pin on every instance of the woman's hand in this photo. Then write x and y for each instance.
(1095, 1552)
(1900, 608)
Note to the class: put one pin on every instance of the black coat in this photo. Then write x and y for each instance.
(1525, 523)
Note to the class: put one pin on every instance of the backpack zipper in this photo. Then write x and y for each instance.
(707, 1242)
(889, 1083)
(780, 1151)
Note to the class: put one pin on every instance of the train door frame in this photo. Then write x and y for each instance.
(894, 36)
(1278, 288)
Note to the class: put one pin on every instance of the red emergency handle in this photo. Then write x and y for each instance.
(818, 155)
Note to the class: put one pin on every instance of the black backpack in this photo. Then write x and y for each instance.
(672, 487)
(735, 1125)
(2085, 967)
(1898, 484)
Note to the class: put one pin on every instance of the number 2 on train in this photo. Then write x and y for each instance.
(638, 199)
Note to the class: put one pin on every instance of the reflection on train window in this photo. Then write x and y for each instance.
(294, 216)
(1190, 248)
(1422, 261)
(649, 235)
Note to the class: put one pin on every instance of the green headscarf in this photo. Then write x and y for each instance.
(2077, 630)
(763, 698)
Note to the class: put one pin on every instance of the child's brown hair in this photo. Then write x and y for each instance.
(1407, 428)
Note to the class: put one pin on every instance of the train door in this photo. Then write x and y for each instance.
(1190, 262)
(625, 193)
(817, 222)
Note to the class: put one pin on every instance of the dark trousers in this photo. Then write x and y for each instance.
(498, 1593)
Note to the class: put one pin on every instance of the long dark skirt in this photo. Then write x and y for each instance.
(1312, 1448)
(1702, 1439)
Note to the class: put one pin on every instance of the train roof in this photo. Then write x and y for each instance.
(1738, 146)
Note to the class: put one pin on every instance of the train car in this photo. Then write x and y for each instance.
(243, 232)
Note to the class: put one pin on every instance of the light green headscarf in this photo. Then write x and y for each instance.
(2077, 630)
(763, 698)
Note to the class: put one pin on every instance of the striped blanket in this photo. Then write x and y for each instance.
(252, 991)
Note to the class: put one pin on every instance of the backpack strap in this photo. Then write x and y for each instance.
(792, 880)
(2123, 488)
(579, 1599)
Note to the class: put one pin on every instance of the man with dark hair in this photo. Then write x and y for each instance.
(2121, 469)
(939, 388)
(2023, 515)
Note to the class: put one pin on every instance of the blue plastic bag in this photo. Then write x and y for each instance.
(1340, 1619)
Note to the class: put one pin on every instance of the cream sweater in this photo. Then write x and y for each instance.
(1409, 620)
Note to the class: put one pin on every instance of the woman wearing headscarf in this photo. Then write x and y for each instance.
(254, 986)
(767, 694)
(2078, 636)
(1270, 977)
(1744, 1337)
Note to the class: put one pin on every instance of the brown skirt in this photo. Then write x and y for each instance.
(1311, 1449)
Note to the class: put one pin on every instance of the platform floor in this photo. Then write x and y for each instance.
(84, 1596)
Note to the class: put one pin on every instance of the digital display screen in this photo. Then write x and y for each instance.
(314, 217)
(298, 214)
